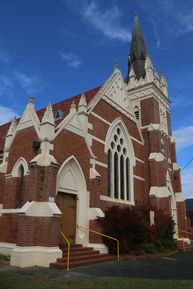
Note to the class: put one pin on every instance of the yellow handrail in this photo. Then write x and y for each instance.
(68, 254)
(109, 237)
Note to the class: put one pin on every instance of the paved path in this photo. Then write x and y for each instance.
(177, 266)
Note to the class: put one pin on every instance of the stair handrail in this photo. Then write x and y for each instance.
(68, 253)
(186, 232)
(98, 233)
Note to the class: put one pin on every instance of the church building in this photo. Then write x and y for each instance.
(62, 166)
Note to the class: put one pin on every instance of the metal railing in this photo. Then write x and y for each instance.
(183, 242)
(68, 252)
(98, 233)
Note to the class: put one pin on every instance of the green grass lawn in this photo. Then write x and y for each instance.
(13, 281)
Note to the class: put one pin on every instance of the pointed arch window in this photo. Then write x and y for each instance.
(118, 167)
(20, 186)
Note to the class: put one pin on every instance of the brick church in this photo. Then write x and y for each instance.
(62, 166)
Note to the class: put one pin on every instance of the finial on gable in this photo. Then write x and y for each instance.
(73, 106)
(31, 99)
(82, 101)
(116, 65)
(48, 115)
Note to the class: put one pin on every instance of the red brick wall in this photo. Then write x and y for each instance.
(68, 144)
(22, 147)
(8, 228)
(110, 114)
(181, 213)
(161, 203)
(38, 231)
(149, 111)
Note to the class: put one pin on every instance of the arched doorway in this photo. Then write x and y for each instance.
(73, 200)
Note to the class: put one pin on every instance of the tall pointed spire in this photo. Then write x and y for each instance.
(137, 52)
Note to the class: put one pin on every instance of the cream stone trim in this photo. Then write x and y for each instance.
(159, 192)
(144, 127)
(18, 163)
(3, 167)
(29, 119)
(95, 162)
(118, 201)
(147, 90)
(172, 140)
(114, 92)
(70, 179)
(158, 157)
(94, 213)
(90, 126)
(34, 256)
(6, 248)
(103, 249)
(40, 209)
(94, 174)
(100, 164)
(154, 126)
(176, 167)
(139, 160)
(71, 123)
(97, 139)
(44, 160)
(139, 178)
(8, 211)
(152, 217)
(179, 197)
(100, 118)
(136, 140)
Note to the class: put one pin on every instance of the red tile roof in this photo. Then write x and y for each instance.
(63, 105)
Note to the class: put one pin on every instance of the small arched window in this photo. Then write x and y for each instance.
(20, 186)
(118, 167)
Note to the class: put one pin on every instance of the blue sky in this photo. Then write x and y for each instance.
(54, 49)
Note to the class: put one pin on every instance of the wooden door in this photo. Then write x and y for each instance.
(67, 205)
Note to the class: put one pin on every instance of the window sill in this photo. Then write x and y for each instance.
(118, 201)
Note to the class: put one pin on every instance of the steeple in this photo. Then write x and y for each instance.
(137, 55)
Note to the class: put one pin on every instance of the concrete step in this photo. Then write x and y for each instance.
(100, 259)
(79, 250)
(80, 256)
(83, 253)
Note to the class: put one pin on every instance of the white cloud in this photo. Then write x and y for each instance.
(6, 114)
(186, 22)
(187, 182)
(184, 137)
(71, 59)
(106, 22)
(29, 83)
(176, 16)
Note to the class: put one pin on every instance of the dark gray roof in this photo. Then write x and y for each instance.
(137, 51)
